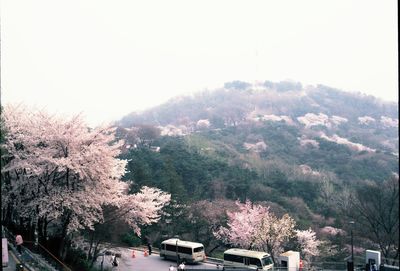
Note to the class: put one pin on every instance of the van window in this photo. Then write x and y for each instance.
(185, 250)
(171, 248)
(198, 249)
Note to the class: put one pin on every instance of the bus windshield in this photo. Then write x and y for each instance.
(266, 261)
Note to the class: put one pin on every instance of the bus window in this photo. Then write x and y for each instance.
(267, 261)
(255, 261)
(233, 258)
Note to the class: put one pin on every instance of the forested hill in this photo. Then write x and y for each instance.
(360, 122)
(301, 150)
(279, 127)
(317, 128)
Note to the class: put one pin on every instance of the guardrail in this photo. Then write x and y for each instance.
(386, 267)
(391, 262)
(53, 262)
(35, 256)
(25, 265)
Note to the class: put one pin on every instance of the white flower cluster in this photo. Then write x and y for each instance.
(389, 122)
(171, 130)
(311, 119)
(366, 120)
(344, 141)
(256, 147)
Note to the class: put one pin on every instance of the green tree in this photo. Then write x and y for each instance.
(375, 208)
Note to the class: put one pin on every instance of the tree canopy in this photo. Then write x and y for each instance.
(61, 173)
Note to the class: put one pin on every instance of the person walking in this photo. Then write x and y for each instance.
(181, 267)
(114, 261)
(149, 247)
(19, 242)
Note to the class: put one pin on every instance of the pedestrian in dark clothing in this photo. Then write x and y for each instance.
(114, 261)
(19, 242)
(149, 248)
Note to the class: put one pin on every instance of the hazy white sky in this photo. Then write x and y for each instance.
(108, 58)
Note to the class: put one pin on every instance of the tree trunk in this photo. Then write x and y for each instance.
(64, 238)
(91, 245)
(40, 230)
(46, 223)
(94, 256)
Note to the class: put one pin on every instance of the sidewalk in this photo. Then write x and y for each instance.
(12, 261)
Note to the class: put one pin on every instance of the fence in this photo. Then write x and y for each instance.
(392, 262)
(35, 257)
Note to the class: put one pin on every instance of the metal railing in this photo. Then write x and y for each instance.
(392, 262)
(41, 251)
(34, 256)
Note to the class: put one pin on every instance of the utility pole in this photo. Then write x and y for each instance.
(177, 256)
(351, 240)
(350, 265)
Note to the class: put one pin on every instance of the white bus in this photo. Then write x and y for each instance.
(183, 250)
(257, 260)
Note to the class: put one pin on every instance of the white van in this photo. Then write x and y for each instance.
(257, 260)
(183, 250)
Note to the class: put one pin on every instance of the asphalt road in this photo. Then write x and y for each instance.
(141, 263)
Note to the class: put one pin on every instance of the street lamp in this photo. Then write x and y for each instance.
(176, 246)
(177, 256)
(351, 239)
(350, 265)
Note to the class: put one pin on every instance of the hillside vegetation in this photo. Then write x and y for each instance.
(270, 166)
(302, 150)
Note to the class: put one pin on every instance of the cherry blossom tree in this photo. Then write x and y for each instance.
(60, 172)
(256, 227)
(143, 208)
(140, 209)
(308, 244)
(203, 124)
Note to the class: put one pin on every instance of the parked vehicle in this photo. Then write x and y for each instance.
(182, 250)
(257, 260)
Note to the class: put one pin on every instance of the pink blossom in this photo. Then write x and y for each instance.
(62, 171)
(255, 227)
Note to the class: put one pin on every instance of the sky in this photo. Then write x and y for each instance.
(105, 59)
